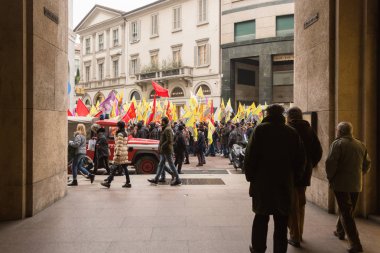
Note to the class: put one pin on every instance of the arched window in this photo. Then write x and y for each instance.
(152, 93)
(136, 95)
(87, 101)
(206, 90)
(99, 97)
(177, 92)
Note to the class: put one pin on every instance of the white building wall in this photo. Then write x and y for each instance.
(187, 38)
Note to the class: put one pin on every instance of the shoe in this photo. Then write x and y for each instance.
(180, 172)
(355, 249)
(105, 180)
(91, 177)
(106, 184)
(127, 185)
(73, 183)
(339, 235)
(199, 164)
(153, 181)
(186, 163)
(162, 180)
(294, 243)
(176, 182)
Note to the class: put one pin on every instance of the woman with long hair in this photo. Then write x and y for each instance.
(79, 144)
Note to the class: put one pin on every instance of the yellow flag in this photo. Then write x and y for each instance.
(97, 105)
(211, 130)
(191, 121)
(134, 101)
(200, 93)
(193, 102)
(222, 106)
(113, 111)
(93, 111)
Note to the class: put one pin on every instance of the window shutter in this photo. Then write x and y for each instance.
(179, 17)
(205, 10)
(195, 56)
(157, 22)
(208, 48)
(130, 33)
(138, 65)
(174, 18)
(138, 29)
(200, 11)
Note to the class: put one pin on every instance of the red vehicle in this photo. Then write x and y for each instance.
(142, 153)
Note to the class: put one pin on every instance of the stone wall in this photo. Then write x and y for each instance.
(335, 76)
(33, 98)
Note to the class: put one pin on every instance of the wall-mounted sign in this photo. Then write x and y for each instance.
(51, 15)
(311, 21)
(283, 57)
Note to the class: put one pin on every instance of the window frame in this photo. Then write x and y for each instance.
(101, 71)
(88, 46)
(115, 68)
(278, 33)
(244, 22)
(100, 42)
(154, 21)
(177, 23)
(115, 39)
(207, 54)
(202, 12)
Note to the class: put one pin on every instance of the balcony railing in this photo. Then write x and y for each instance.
(166, 74)
(103, 83)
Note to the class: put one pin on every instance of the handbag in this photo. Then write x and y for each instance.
(91, 145)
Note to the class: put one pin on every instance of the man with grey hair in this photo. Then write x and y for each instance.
(347, 161)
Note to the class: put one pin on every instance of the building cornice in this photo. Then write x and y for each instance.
(256, 6)
(257, 41)
(104, 25)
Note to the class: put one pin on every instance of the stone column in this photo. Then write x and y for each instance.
(265, 79)
(228, 79)
(33, 104)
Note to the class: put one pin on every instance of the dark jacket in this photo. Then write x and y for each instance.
(200, 145)
(225, 133)
(275, 159)
(166, 141)
(312, 146)
(142, 132)
(179, 143)
(154, 133)
(101, 149)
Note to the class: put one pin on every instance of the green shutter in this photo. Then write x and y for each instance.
(245, 30)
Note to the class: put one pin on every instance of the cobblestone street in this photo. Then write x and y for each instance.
(146, 218)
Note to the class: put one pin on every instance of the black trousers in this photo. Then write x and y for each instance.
(260, 231)
(179, 158)
(113, 172)
(101, 161)
(346, 223)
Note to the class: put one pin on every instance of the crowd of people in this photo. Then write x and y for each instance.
(281, 154)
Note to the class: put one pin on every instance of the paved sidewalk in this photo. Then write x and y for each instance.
(146, 218)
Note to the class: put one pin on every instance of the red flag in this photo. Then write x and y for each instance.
(81, 108)
(168, 111)
(151, 116)
(98, 115)
(160, 91)
(69, 113)
(131, 114)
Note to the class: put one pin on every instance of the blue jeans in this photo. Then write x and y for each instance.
(78, 165)
(211, 149)
(161, 166)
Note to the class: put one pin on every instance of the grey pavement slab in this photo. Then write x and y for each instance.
(147, 218)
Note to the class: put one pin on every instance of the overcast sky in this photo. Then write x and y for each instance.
(82, 7)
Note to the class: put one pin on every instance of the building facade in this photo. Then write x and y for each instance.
(174, 43)
(102, 65)
(257, 40)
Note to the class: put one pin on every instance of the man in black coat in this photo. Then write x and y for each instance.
(313, 150)
(179, 148)
(275, 159)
